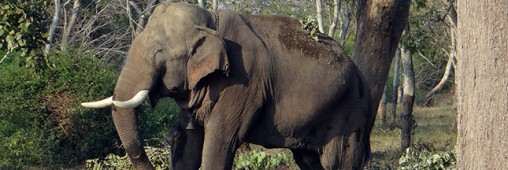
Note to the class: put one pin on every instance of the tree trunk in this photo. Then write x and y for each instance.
(333, 26)
(215, 5)
(382, 107)
(67, 30)
(131, 18)
(396, 73)
(345, 20)
(54, 24)
(319, 16)
(407, 121)
(482, 84)
(202, 3)
(380, 24)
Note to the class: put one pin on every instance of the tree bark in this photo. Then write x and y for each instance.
(67, 30)
(215, 5)
(335, 19)
(345, 20)
(202, 3)
(380, 24)
(382, 108)
(54, 24)
(482, 84)
(407, 121)
(319, 16)
(396, 73)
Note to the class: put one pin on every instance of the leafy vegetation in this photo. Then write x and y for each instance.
(421, 158)
(42, 123)
(23, 28)
(263, 159)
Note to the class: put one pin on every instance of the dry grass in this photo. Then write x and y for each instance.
(436, 131)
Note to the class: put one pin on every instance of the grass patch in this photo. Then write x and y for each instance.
(436, 132)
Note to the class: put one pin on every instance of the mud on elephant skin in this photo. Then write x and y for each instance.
(243, 78)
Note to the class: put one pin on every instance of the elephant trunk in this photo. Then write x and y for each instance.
(126, 124)
(132, 87)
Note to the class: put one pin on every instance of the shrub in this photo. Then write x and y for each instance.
(421, 158)
(42, 123)
(258, 159)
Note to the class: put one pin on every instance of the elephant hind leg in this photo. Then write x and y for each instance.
(307, 159)
(347, 152)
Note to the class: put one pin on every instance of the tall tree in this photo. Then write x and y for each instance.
(319, 16)
(482, 84)
(202, 3)
(54, 24)
(215, 5)
(68, 26)
(345, 19)
(395, 90)
(379, 26)
(406, 121)
(382, 107)
(335, 19)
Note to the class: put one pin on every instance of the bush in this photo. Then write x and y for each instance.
(42, 123)
(421, 158)
(259, 159)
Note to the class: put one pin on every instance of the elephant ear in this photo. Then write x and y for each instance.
(207, 55)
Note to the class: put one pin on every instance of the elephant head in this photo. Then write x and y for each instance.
(169, 57)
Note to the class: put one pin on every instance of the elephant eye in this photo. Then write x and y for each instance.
(157, 50)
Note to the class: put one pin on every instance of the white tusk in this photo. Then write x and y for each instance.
(99, 104)
(134, 102)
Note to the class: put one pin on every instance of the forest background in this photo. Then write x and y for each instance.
(56, 54)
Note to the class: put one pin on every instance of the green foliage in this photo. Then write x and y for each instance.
(311, 25)
(423, 159)
(259, 159)
(42, 122)
(158, 123)
(23, 28)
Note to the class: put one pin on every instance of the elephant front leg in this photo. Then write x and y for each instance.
(187, 145)
(219, 146)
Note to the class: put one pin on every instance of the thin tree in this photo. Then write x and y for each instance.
(319, 16)
(215, 5)
(382, 107)
(345, 19)
(406, 121)
(70, 25)
(202, 3)
(482, 84)
(54, 24)
(395, 90)
(452, 19)
(335, 19)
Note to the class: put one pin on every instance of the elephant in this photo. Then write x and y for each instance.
(239, 78)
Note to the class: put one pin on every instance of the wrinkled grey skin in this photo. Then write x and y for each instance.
(257, 79)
